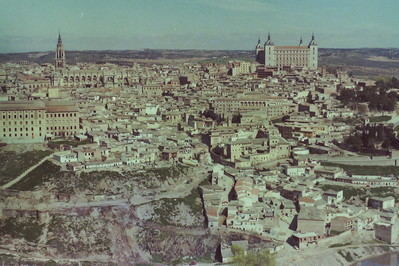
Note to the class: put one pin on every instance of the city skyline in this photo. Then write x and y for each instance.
(182, 24)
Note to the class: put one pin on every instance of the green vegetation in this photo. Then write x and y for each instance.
(252, 258)
(13, 164)
(167, 172)
(366, 170)
(51, 263)
(24, 227)
(346, 255)
(384, 192)
(337, 245)
(54, 144)
(67, 229)
(6, 259)
(376, 97)
(362, 192)
(348, 120)
(388, 83)
(205, 182)
(376, 139)
(383, 118)
(347, 190)
(207, 258)
(38, 176)
(167, 207)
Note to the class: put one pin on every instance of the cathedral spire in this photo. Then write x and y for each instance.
(59, 53)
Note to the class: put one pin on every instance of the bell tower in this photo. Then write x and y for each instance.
(59, 54)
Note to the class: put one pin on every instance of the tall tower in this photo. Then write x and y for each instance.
(270, 58)
(313, 54)
(59, 54)
(259, 53)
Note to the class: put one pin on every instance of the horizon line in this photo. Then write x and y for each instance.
(183, 49)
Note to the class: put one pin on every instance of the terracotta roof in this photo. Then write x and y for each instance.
(60, 106)
(306, 199)
(211, 211)
(21, 105)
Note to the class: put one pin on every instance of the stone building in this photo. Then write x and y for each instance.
(73, 77)
(271, 55)
(33, 121)
(92, 78)
(274, 107)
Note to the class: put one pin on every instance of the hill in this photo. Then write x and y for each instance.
(370, 62)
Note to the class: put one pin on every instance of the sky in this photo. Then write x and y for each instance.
(33, 25)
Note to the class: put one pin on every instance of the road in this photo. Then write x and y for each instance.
(21, 176)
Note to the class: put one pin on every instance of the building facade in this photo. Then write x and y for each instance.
(274, 107)
(270, 55)
(33, 121)
(93, 78)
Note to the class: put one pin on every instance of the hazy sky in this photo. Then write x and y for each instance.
(33, 25)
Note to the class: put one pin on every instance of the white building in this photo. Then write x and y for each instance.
(280, 56)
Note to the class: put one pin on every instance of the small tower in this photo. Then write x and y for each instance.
(59, 54)
(259, 53)
(269, 40)
(270, 57)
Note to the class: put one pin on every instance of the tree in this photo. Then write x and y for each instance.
(354, 142)
(346, 95)
(252, 258)
(309, 98)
